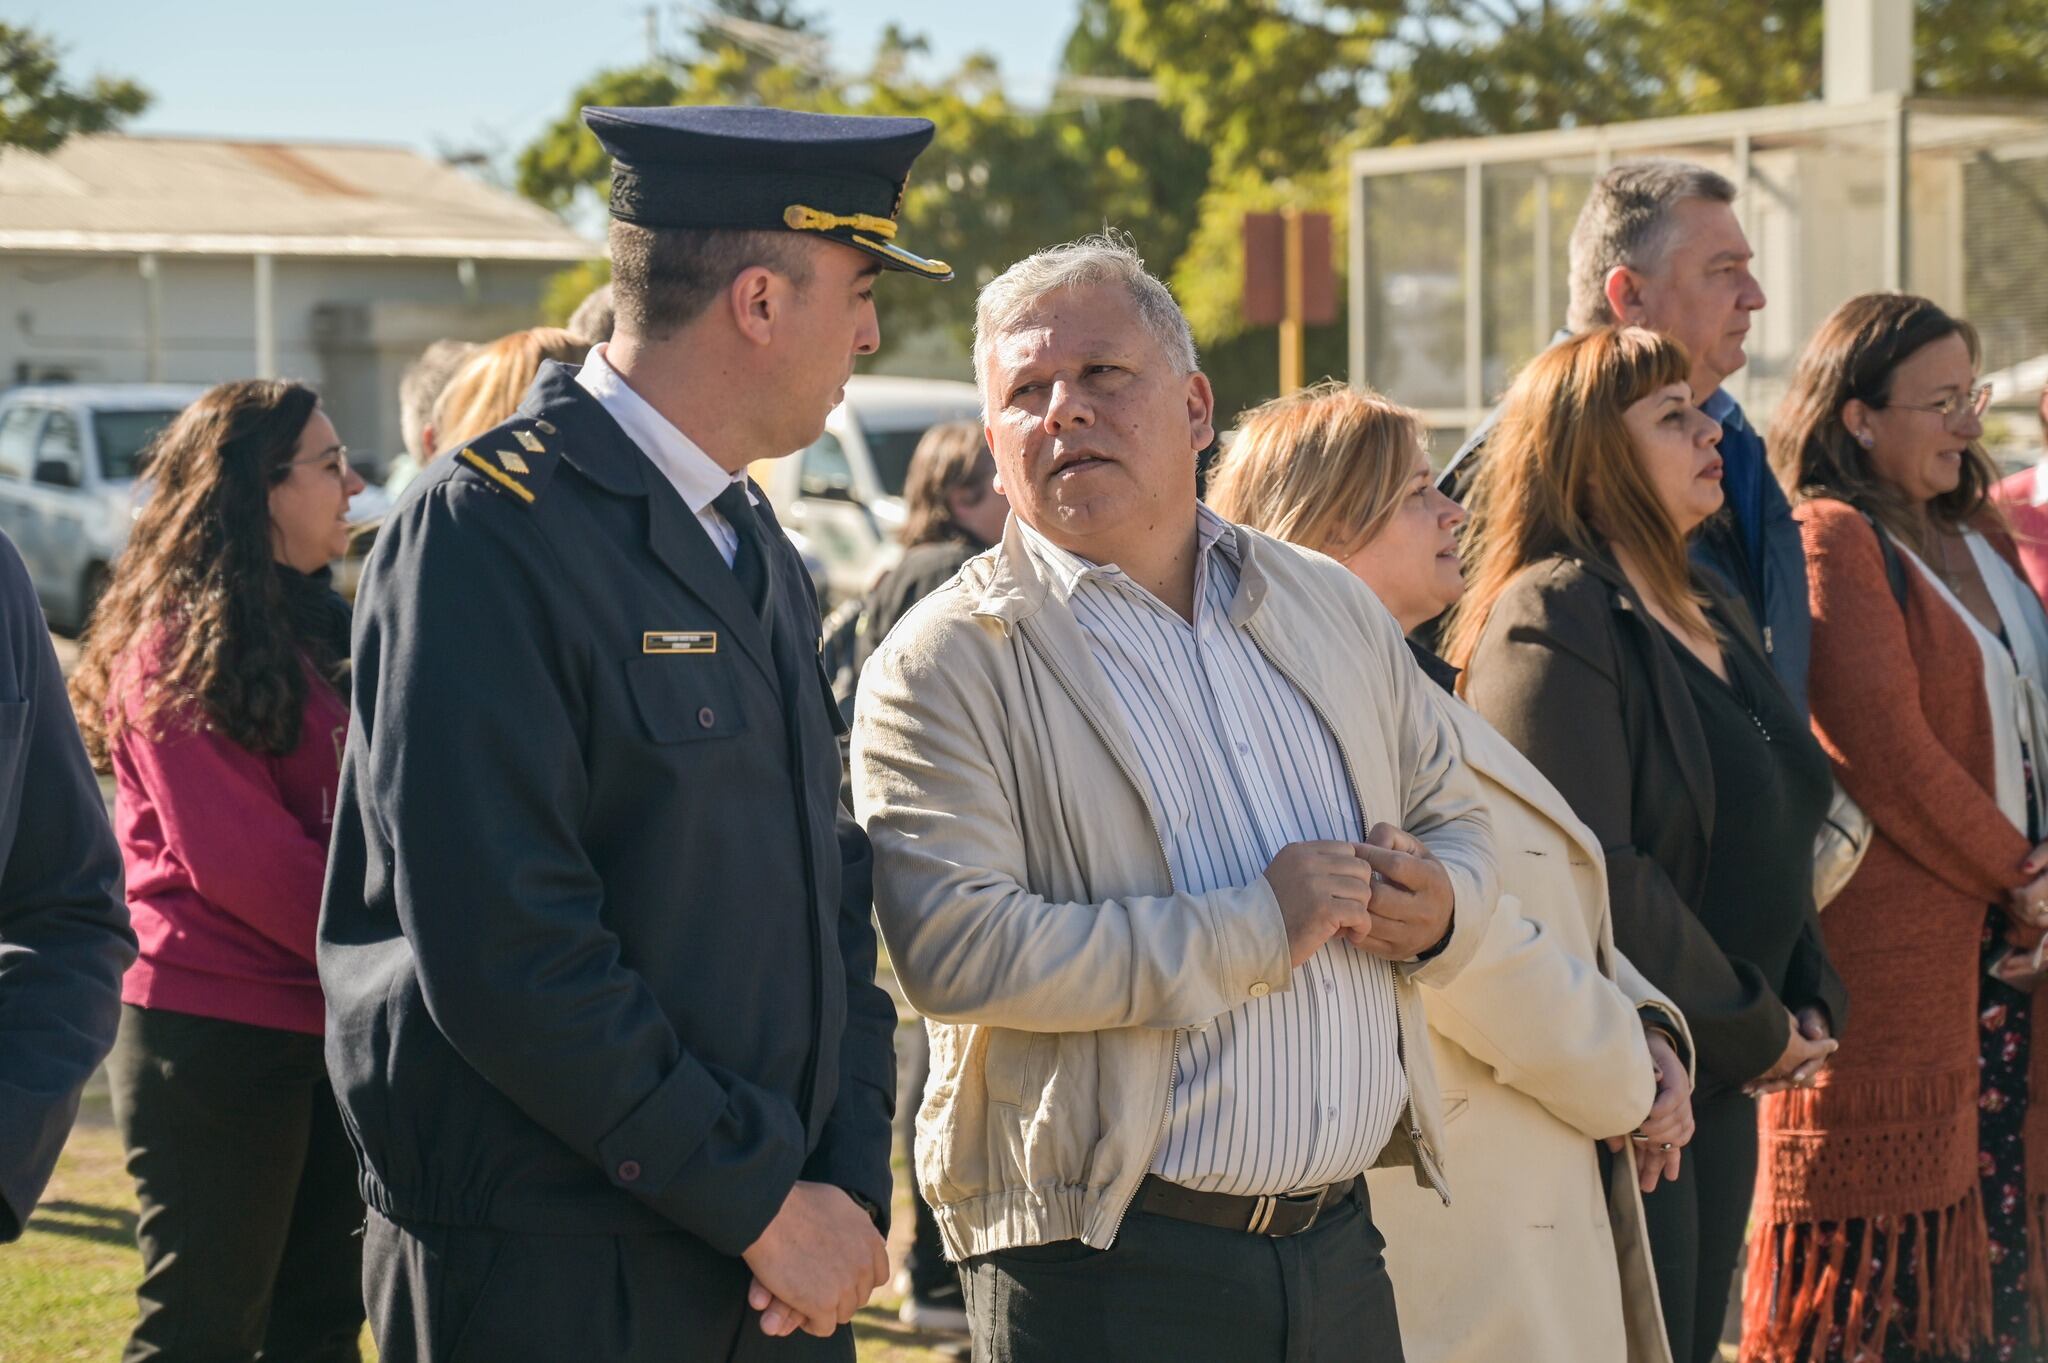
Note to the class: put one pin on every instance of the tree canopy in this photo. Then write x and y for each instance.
(1257, 104)
(39, 108)
(997, 183)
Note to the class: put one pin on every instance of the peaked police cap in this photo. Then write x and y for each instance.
(755, 169)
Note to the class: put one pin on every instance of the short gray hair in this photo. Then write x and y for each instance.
(1103, 258)
(1627, 221)
(420, 387)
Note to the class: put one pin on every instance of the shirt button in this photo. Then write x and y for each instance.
(1260, 989)
(1329, 986)
(706, 717)
(629, 1171)
(1331, 1113)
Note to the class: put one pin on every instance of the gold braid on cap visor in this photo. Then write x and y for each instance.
(803, 218)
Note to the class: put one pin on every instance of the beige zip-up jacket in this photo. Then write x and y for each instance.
(1023, 888)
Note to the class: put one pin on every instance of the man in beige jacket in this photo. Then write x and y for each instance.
(1166, 829)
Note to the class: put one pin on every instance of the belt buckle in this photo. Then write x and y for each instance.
(1266, 1204)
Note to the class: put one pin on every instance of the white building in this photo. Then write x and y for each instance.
(197, 259)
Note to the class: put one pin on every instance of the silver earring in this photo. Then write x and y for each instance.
(1863, 439)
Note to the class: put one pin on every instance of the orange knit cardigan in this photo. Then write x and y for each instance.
(1890, 1133)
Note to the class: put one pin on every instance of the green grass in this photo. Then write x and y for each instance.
(67, 1288)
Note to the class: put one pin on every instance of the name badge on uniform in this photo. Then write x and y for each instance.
(679, 641)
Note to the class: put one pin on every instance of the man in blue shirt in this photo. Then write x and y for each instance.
(1658, 245)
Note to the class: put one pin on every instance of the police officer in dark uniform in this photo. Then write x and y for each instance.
(596, 945)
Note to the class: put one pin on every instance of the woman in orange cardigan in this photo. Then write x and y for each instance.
(1899, 1207)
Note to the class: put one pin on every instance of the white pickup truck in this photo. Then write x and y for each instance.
(67, 480)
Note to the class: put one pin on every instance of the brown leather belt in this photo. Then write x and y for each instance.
(1275, 1214)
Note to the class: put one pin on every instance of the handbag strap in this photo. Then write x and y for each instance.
(1894, 566)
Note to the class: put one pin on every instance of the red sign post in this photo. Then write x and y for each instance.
(1289, 280)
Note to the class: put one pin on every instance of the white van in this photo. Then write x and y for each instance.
(842, 497)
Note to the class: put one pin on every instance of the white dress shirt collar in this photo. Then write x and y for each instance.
(1068, 570)
(695, 475)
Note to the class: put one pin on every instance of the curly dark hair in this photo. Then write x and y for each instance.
(198, 583)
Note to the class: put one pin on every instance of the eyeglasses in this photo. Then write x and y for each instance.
(1976, 401)
(335, 459)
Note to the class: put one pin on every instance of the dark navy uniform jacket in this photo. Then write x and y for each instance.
(596, 941)
(64, 935)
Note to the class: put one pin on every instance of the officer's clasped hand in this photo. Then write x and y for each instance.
(816, 1263)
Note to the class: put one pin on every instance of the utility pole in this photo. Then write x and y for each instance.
(1292, 358)
(653, 14)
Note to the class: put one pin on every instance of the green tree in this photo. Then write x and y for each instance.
(997, 183)
(39, 108)
(1280, 90)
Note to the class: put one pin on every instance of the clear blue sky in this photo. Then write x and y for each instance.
(437, 74)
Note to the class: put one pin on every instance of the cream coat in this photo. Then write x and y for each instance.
(1029, 909)
(1539, 1047)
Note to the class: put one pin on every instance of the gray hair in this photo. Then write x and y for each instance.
(421, 386)
(1103, 258)
(1627, 221)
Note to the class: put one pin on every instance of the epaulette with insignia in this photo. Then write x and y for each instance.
(517, 458)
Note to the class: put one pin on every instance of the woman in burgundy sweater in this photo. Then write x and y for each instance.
(212, 685)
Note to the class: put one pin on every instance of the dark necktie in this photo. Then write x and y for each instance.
(751, 564)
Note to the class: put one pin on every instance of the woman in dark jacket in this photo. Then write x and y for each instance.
(1641, 691)
(952, 512)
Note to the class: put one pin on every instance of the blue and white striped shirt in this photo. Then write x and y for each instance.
(1300, 1087)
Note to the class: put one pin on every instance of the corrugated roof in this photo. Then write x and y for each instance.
(110, 192)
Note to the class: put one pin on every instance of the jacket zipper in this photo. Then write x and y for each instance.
(1159, 841)
(1414, 1125)
(1422, 1150)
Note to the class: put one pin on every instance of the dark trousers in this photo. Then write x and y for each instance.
(465, 1294)
(1184, 1293)
(1696, 1223)
(248, 1188)
(932, 1279)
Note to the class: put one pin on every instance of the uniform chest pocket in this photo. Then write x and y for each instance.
(684, 697)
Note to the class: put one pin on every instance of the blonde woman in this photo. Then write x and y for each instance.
(1549, 1043)
(489, 387)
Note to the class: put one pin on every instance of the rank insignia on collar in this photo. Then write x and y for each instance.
(512, 462)
(679, 641)
(544, 427)
(497, 475)
(528, 441)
